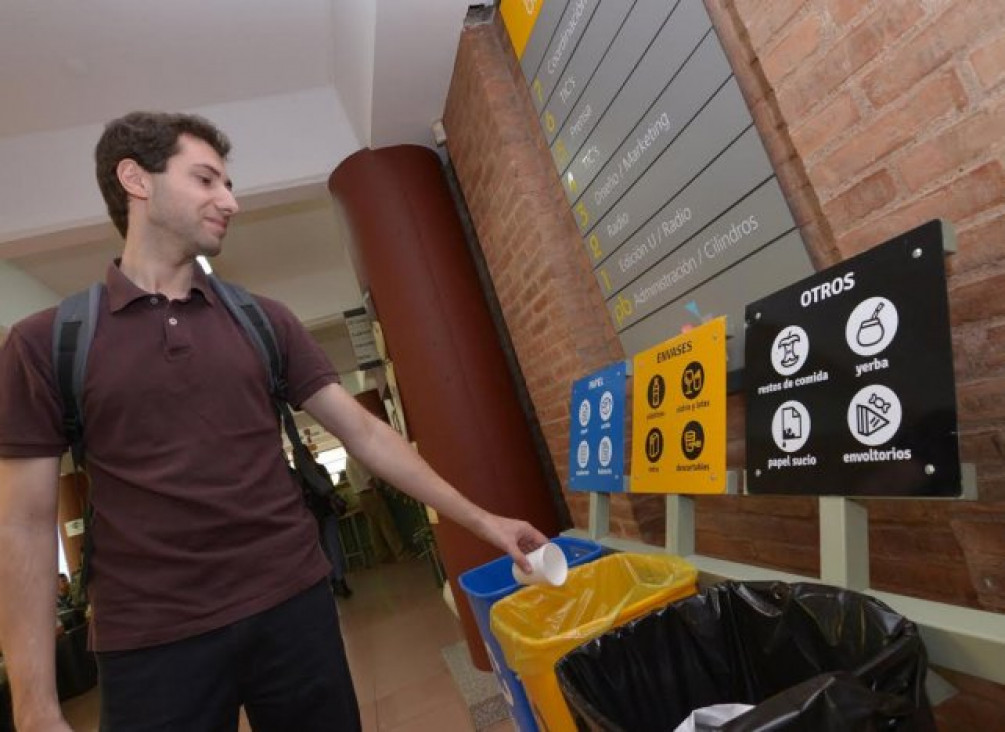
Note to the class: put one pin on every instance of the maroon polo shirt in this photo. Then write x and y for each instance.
(197, 522)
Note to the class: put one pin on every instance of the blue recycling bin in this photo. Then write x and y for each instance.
(491, 582)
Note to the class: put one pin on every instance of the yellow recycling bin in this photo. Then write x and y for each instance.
(538, 625)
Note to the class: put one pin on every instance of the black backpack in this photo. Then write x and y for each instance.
(73, 332)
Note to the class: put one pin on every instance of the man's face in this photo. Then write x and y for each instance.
(191, 200)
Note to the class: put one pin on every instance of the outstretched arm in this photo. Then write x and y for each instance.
(388, 456)
(29, 491)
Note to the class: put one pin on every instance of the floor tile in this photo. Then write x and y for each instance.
(449, 718)
(435, 693)
(81, 712)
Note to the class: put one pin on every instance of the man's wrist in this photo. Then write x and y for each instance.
(481, 523)
(38, 717)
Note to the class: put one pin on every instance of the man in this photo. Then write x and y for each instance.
(208, 587)
(330, 535)
(384, 537)
(64, 600)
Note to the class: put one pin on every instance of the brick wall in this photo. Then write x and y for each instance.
(895, 112)
(550, 301)
(878, 115)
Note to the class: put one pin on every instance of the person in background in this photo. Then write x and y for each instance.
(335, 555)
(333, 543)
(64, 596)
(330, 533)
(384, 536)
(209, 589)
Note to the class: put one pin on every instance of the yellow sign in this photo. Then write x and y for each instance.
(679, 414)
(519, 17)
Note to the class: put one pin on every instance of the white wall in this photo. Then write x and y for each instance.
(280, 142)
(20, 295)
(355, 23)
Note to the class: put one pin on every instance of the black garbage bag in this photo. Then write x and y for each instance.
(806, 656)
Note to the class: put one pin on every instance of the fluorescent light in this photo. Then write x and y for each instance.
(204, 263)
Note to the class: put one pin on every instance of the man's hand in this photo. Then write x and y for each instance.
(388, 456)
(513, 536)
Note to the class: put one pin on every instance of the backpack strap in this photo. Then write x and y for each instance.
(315, 482)
(249, 314)
(72, 334)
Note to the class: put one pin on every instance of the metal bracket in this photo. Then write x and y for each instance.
(844, 543)
(600, 515)
(680, 527)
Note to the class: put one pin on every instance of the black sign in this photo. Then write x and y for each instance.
(850, 378)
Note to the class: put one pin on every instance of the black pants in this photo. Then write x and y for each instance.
(286, 665)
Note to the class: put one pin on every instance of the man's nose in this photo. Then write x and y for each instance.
(228, 203)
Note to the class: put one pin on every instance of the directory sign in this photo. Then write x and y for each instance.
(679, 414)
(850, 387)
(666, 176)
(597, 431)
(519, 17)
(363, 339)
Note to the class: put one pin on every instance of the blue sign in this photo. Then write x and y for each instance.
(597, 431)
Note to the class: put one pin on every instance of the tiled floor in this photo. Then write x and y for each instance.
(395, 627)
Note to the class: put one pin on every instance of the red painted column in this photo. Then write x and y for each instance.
(460, 404)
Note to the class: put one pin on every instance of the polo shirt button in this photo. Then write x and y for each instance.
(173, 321)
(153, 300)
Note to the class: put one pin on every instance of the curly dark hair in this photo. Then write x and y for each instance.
(149, 138)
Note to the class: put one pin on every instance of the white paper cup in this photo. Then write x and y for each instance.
(549, 567)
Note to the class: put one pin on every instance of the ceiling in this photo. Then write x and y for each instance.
(298, 86)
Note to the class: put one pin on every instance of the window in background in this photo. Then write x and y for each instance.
(334, 461)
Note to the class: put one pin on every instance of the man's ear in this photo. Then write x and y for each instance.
(133, 178)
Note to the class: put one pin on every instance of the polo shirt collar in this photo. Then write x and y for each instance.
(122, 291)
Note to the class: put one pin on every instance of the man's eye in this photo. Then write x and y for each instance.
(205, 180)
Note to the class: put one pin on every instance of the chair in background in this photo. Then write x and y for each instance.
(354, 533)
